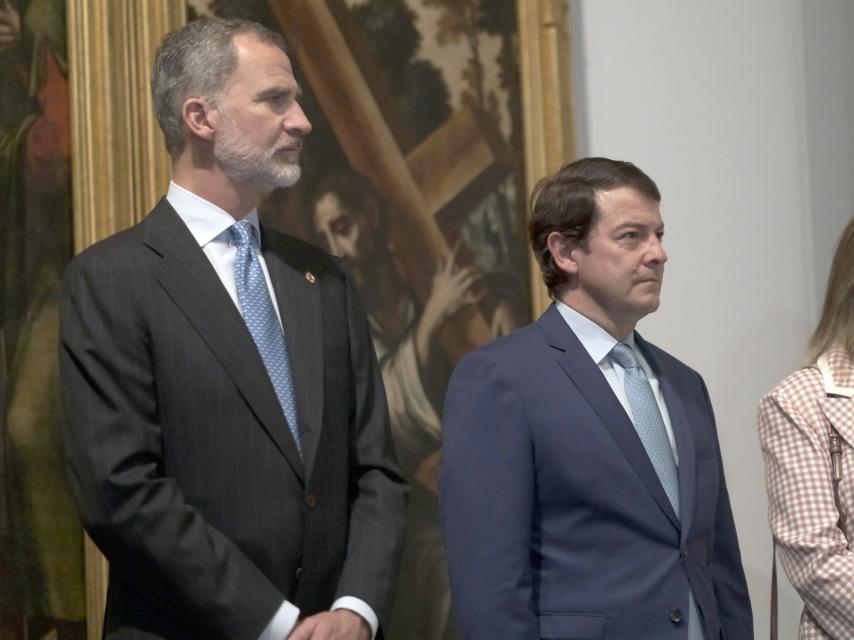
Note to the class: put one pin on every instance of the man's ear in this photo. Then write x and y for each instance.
(197, 115)
(563, 252)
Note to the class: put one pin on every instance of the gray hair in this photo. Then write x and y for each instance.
(196, 61)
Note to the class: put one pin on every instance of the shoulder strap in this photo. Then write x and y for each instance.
(774, 616)
(836, 471)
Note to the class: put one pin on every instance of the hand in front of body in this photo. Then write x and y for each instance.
(341, 624)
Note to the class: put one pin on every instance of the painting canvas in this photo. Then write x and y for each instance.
(42, 592)
(413, 176)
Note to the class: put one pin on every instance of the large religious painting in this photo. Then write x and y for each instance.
(42, 593)
(412, 174)
(432, 120)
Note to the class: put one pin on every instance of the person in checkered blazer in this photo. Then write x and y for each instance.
(806, 430)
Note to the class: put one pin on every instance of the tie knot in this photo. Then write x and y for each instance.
(241, 233)
(623, 355)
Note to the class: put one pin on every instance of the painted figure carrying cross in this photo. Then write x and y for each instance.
(425, 314)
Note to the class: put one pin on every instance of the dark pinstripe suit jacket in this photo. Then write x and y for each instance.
(180, 458)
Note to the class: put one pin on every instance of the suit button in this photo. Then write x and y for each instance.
(299, 572)
(683, 553)
(310, 500)
(676, 616)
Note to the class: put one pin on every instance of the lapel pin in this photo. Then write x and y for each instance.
(310, 277)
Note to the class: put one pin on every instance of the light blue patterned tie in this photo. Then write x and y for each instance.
(650, 428)
(262, 321)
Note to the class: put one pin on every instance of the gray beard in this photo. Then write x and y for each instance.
(259, 169)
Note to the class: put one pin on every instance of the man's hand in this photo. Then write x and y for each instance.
(341, 624)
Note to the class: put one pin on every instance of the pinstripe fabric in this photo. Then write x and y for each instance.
(180, 458)
(794, 425)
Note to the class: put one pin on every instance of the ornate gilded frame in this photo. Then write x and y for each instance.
(120, 168)
(548, 105)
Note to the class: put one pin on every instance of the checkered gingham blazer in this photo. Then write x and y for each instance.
(794, 430)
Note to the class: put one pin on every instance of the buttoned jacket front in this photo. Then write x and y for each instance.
(181, 460)
(555, 521)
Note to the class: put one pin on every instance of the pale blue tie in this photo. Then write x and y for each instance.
(653, 435)
(262, 321)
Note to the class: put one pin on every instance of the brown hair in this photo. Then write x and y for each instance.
(836, 326)
(566, 202)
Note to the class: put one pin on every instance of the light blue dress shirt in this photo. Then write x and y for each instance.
(598, 343)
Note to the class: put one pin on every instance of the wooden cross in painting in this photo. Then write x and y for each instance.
(454, 168)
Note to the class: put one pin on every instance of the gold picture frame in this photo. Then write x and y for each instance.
(120, 168)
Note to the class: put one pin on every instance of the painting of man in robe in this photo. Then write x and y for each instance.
(41, 541)
(423, 202)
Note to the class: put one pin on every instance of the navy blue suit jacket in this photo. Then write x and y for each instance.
(555, 521)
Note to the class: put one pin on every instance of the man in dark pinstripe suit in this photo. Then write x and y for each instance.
(220, 518)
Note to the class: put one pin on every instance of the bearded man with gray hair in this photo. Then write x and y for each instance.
(225, 425)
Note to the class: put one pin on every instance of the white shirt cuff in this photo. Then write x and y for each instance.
(360, 607)
(282, 623)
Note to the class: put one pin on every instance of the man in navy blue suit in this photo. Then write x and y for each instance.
(582, 488)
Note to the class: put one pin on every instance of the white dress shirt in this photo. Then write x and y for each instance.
(210, 226)
(599, 343)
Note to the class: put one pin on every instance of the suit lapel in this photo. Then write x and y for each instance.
(685, 445)
(587, 376)
(188, 278)
(299, 302)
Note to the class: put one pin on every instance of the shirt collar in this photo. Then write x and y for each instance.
(840, 366)
(204, 219)
(595, 340)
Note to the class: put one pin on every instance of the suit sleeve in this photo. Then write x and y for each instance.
(486, 488)
(134, 513)
(734, 610)
(803, 517)
(378, 490)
